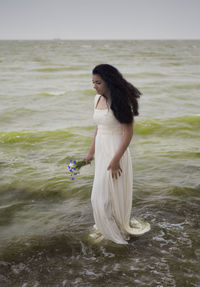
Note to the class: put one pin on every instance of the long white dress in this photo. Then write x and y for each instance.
(112, 198)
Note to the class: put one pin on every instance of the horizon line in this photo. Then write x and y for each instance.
(89, 39)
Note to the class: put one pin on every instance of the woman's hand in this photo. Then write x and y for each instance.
(88, 157)
(115, 168)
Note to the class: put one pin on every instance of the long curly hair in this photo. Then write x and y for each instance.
(124, 96)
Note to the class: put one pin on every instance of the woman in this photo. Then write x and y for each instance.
(115, 106)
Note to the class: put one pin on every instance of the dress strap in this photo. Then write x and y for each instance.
(96, 100)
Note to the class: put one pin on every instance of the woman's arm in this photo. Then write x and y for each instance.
(128, 134)
(92, 149)
(126, 139)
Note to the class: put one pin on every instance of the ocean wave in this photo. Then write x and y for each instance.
(182, 193)
(174, 63)
(179, 126)
(50, 69)
(8, 113)
(38, 59)
(34, 136)
(146, 74)
(60, 69)
(8, 211)
(86, 92)
(182, 154)
(187, 86)
(151, 54)
(54, 94)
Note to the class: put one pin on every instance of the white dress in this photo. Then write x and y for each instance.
(112, 198)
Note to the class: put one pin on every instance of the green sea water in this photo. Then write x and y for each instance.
(46, 108)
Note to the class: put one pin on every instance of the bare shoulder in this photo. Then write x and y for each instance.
(96, 99)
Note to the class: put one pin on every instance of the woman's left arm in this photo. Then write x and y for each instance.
(126, 139)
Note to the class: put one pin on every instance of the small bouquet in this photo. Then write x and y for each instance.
(74, 167)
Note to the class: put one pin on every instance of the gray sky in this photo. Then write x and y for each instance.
(100, 19)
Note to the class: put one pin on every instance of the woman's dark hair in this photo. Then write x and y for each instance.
(124, 95)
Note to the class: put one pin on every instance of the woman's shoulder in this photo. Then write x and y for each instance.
(96, 99)
(97, 96)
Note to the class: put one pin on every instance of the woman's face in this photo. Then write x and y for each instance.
(99, 85)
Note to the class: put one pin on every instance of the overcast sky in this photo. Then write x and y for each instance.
(100, 19)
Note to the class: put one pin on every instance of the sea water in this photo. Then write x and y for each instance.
(46, 108)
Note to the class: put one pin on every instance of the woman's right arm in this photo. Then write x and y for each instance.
(92, 149)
